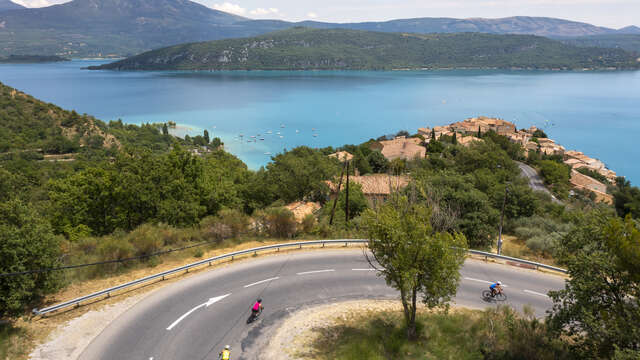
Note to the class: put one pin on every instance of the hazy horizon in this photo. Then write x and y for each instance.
(606, 13)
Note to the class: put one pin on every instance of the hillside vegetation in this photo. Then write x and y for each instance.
(314, 49)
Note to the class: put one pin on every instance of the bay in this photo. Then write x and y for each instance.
(594, 112)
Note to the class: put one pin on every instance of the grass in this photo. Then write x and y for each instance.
(500, 333)
(12, 341)
(515, 247)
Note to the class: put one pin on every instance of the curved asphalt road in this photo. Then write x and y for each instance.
(176, 323)
(535, 181)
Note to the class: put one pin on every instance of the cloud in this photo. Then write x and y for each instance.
(230, 8)
(39, 3)
(312, 15)
(263, 11)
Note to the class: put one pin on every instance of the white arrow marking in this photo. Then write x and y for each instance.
(536, 293)
(262, 281)
(207, 304)
(363, 269)
(315, 271)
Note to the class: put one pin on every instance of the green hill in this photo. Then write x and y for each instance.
(304, 48)
(628, 42)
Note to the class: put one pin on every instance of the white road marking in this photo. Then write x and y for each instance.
(262, 281)
(207, 304)
(315, 271)
(483, 281)
(536, 293)
(363, 269)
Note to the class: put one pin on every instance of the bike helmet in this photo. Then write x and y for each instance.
(259, 300)
(499, 282)
(227, 347)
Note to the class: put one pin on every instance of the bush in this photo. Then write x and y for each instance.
(213, 228)
(308, 223)
(115, 248)
(277, 222)
(236, 220)
(146, 240)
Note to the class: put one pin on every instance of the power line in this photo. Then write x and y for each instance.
(103, 262)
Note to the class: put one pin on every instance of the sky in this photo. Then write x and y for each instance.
(609, 13)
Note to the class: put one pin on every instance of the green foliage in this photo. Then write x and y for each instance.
(555, 175)
(378, 163)
(626, 198)
(26, 242)
(593, 174)
(305, 49)
(539, 134)
(415, 259)
(296, 174)
(276, 222)
(599, 309)
(357, 202)
(494, 334)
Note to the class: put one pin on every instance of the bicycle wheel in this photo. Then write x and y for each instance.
(486, 294)
(501, 297)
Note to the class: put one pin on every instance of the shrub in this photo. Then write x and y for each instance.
(308, 223)
(115, 248)
(277, 222)
(213, 228)
(146, 240)
(236, 220)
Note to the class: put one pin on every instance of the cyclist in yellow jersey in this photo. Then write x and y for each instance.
(225, 354)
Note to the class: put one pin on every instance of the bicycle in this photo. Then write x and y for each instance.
(486, 296)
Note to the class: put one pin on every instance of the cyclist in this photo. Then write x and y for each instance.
(225, 354)
(257, 307)
(496, 288)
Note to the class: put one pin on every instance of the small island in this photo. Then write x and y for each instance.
(31, 59)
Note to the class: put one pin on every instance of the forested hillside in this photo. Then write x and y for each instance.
(305, 48)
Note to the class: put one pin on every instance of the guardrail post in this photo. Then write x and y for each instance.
(162, 277)
(345, 244)
(232, 258)
(322, 244)
(209, 263)
(300, 246)
(187, 269)
(108, 295)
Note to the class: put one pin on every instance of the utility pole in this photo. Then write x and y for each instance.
(335, 202)
(504, 203)
(346, 212)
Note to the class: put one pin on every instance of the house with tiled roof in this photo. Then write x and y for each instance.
(401, 148)
(375, 187)
(342, 156)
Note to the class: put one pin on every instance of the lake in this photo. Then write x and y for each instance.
(594, 112)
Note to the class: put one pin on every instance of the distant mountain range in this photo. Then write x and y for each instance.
(9, 5)
(342, 49)
(83, 28)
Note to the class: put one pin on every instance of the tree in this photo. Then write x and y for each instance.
(402, 133)
(599, 309)
(300, 172)
(165, 129)
(454, 141)
(26, 243)
(433, 135)
(361, 162)
(412, 257)
(206, 136)
(555, 174)
(539, 134)
(626, 198)
(357, 202)
(379, 164)
(479, 133)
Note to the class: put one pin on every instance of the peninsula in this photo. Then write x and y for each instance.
(339, 49)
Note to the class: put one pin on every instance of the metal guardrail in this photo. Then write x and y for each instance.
(107, 292)
(521, 261)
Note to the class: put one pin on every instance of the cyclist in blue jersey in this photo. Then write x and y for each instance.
(496, 288)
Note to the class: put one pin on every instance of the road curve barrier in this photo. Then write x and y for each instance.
(107, 292)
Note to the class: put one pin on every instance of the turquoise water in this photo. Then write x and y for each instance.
(594, 112)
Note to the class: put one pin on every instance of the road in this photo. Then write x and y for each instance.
(194, 318)
(535, 181)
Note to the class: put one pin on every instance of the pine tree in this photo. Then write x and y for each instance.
(479, 132)
(206, 136)
(165, 129)
(455, 139)
(433, 135)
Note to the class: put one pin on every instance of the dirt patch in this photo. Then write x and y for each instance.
(295, 337)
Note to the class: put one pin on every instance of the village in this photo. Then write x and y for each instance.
(377, 187)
